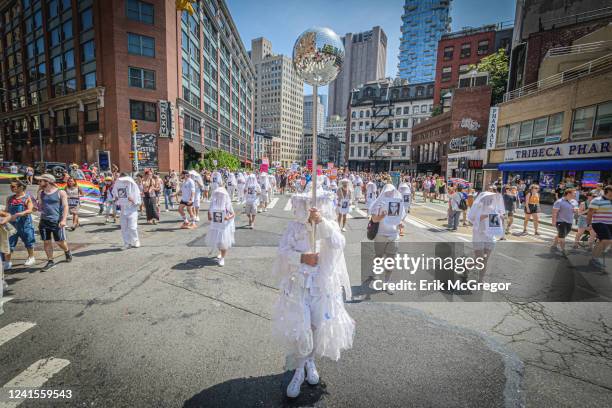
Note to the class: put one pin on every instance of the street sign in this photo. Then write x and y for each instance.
(390, 152)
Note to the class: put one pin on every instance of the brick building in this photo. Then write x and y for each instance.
(458, 50)
(81, 70)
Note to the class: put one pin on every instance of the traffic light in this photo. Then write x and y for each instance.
(134, 126)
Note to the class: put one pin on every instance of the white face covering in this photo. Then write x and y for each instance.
(300, 209)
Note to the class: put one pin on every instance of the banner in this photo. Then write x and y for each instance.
(90, 190)
(492, 133)
(309, 164)
(263, 168)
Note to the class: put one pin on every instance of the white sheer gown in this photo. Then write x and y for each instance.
(309, 316)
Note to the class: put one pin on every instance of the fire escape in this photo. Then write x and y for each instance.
(382, 112)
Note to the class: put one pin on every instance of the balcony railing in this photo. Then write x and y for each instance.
(597, 65)
(581, 48)
(577, 18)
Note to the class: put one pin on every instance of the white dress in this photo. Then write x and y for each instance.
(370, 193)
(220, 234)
(311, 297)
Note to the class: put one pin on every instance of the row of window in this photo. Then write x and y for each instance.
(447, 72)
(398, 111)
(466, 50)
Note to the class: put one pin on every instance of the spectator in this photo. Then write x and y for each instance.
(600, 218)
(20, 207)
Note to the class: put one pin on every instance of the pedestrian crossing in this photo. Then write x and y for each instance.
(35, 375)
(86, 212)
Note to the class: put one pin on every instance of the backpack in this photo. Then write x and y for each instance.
(463, 204)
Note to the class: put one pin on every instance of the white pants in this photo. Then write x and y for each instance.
(230, 191)
(240, 192)
(129, 225)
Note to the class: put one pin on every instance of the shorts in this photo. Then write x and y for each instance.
(250, 208)
(582, 221)
(26, 234)
(563, 228)
(432, 189)
(603, 231)
(50, 229)
(185, 203)
(534, 208)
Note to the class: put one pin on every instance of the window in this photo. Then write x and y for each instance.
(447, 73)
(88, 51)
(398, 111)
(141, 45)
(582, 126)
(55, 37)
(466, 50)
(448, 53)
(67, 30)
(539, 130)
(91, 113)
(142, 78)
(603, 121)
(525, 133)
(406, 110)
(38, 19)
(86, 19)
(143, 111)
(464, 68)
(415, 109)
(56, 64)
(65, 5)
(502, 136)
(69, 59)
(483, 47)
(52, 8)
(89, 80)
(555, 126)
(513, 133)
(140, 11)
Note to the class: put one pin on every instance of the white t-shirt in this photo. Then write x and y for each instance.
(14, 169)
(187, 190)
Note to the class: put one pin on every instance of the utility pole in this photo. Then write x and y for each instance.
(135, 145)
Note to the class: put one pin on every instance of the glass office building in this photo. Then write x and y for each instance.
(423, 23)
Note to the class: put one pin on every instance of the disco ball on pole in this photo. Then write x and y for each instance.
(318, 55)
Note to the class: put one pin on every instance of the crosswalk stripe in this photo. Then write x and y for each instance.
(35, 376)
(349, 216)
(288, 206)
(13, 330)
(360, 212)
(273, 202)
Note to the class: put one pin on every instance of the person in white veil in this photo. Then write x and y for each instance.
(357, 191)
(309, 318)
(128, 198)
(252, 191)
(199, 187)
(221, 215)
(406, 192)
(240, 182)
(385, 242)
(215, 180)
(272, 179)
(486, 215)
(370, 193)
(232, 182)
(264, 195)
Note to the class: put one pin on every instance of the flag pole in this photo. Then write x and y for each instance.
(313, 179)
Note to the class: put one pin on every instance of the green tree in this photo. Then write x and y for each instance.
(497, 67)
(223, 158)
(437, 110)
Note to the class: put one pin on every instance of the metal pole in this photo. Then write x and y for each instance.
(40, 142)
(390, 161)
(315, 97)
(135, 153)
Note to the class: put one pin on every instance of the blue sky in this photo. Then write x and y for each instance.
(282, 21)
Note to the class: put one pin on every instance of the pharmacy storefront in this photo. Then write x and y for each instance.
(585, 162)
(468, 166)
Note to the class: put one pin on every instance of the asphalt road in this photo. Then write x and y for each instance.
(163, 326)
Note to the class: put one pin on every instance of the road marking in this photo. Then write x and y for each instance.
(288, 206)
(273, 202)
(361, 212)
(13, 330)
(35, 376)
(5, 300)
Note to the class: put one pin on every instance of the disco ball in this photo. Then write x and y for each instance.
(318, 55)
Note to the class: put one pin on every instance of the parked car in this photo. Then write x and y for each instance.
(56, 168)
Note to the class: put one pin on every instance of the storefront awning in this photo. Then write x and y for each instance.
(577, 165)
(196, 146)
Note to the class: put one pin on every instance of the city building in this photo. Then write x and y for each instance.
(452, 143)
(308, 114)
(458, 50)
(279, 100)
(262, 145)
(275, 156)
(337, 147)
(322, 148)
(423, 23)
(542, 25)
(561, 126)
(80, 71)
(365, 61)
(381, 117)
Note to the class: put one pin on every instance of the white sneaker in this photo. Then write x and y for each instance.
(7, 265)
(294, 387)
(221, 261)
(343, 229)
(197, 219)
(312, 376)
(30, 261)
(136, 244)
(167, 210)
(219, 256)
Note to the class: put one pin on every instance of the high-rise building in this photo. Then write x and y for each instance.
(423, 23)
(335, 130)
(308, 114)
(365, 60)
(81, 70)
(279, 100)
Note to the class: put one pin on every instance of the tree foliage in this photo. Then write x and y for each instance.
(437, 110)
(497, 67)
(223, 158)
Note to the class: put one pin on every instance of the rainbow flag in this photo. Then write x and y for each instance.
(10, 176)
(90, 190)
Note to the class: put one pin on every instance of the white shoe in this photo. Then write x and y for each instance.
(219, 256)
(30, 261)
(197, 219)
(136, 244)
(294, 387)
(312, 376)
(221, 261)
(7, 265)
(167, 210)
(343, 229)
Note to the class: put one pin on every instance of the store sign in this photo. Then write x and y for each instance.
(595, 148)
(147, 150)
(460, 142)
(171, 123)
(163, 119)
(492, 133)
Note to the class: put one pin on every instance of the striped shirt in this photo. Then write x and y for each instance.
(603, 210)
